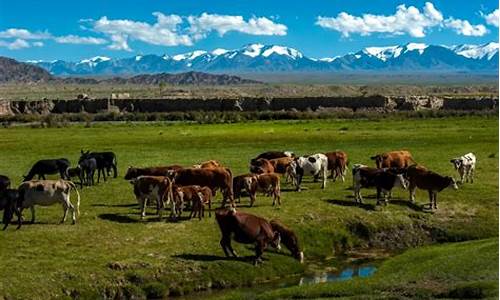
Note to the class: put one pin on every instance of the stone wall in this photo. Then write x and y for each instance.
(374, 103)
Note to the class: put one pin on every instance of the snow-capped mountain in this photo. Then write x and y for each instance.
(410, 57)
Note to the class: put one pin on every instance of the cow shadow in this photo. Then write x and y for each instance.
(349, 203)
(411, 205)
(211, 258)
(126, 218)
(115, 205)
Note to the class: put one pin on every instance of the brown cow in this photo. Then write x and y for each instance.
(217, 178)
(268, 183)
(427, 180)
(249, 229)
(198, 206)
(275, 154)
(288, 238)
(209, 164)
(280, 165)
(158, 188)
(151, 171)
(260, 166)
(239, 185)
(337, 164)
(394, 159)
(184, 195)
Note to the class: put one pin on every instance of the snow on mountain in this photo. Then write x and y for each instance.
(477, 51)
(275, 58)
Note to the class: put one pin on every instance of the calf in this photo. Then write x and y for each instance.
(9, 203)
(261, 165)
(314, 165)
(185, 195)
(4, 182)
(337, 164)
(48, 192)
(158, 188)
(105, 159)
(239, 185)
(394, 159)
(465, 165)
(384, 180)
(198, 206)
(427, 180)
(151, 171)
(217, 178)
(268, 184)
(47, 167)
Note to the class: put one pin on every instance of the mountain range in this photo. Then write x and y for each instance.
(257, 58)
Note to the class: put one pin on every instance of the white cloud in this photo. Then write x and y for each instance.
(202, 25)
(24, 34)
(75, 39)
(493, 17)
(119, 42)
(15, 45)
(463, 27)
(406, 20)
(38, 44)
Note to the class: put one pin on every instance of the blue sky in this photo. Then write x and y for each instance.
(73, 30)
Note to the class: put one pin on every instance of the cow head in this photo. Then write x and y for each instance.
(276, 241)
(378, 160)
(452, 183)
(131, 173)
(457, 163)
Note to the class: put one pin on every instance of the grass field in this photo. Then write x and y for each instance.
(110, 252)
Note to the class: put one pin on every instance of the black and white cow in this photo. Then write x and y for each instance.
(315, 165)
(384, 180)
(465, 165)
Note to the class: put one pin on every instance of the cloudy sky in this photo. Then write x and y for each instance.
(72, 30)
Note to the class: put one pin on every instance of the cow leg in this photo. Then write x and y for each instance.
(472, 175)
(323, 185)
(103, 174)
(431, 199)
(259, 250)
(32, 208)
(115, 171)
(98, 175)
(435, 200)
(144, 203)
(252, 198)
(225, 243)
(412, 189)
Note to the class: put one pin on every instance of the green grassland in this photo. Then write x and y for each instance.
(109, 252)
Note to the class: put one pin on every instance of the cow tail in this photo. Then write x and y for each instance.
(230, 192)
(73, 186)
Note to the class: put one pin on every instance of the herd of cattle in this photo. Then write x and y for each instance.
(178, 187)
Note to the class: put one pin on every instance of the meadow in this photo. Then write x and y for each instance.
(111, 253)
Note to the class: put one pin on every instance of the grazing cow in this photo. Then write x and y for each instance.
(394, 159)
(275, 154)
(209, 164)
(289, 239)
(268, 184)
(239, 185)
(465, 165)
(76, 172)
(47, 167)
(48, 192)
(106, 160)
(198, 206)
(260, 166)
(158, 188)
(337, 164)
(217, 178)
(250, 229)
(9, 203)
(314, 165)
(4, 182)
(427, 180)
(384, 180)
(151, 171)
(88, 167)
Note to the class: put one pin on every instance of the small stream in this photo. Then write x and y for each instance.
(320, 273)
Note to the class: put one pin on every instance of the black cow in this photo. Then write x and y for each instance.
(88, 166)
(105, 159)
(9, 203)
(4, 182)
(273, 154)
(47, 167)
(76, 172)
(384, 180)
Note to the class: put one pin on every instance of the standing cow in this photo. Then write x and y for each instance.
(424, 179)
(337, 164)
(261, 165)
(48, 192)
(465, 165)
(47, 167)
(158, 188)
(315, 165)
(9, 203)
(384, 180)
(268, 184)
(133, 172)
(105, 162)
(394, 159)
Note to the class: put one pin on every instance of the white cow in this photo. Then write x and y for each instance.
(48, 192)
(465, 165)
(313, 165)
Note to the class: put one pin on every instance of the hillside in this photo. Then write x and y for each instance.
(14, 71)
